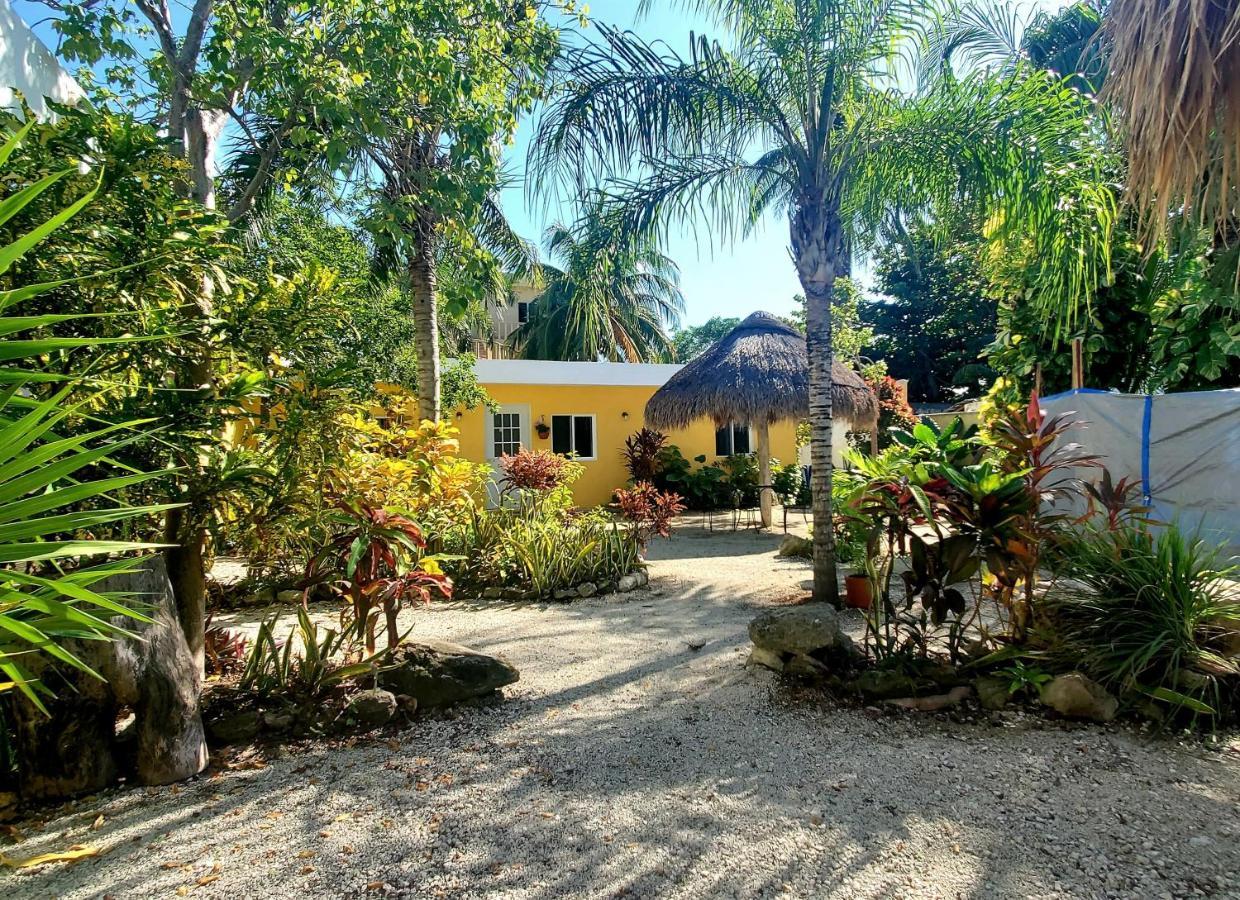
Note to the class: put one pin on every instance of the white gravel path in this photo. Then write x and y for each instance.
(625, 764)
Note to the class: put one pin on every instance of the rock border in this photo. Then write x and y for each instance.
(636, 579)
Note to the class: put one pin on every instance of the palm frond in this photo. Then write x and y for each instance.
(1173, 72)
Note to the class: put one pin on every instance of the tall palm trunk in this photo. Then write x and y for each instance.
(816, 245)
(422, 285)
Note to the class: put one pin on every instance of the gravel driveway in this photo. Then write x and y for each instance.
(627, 764)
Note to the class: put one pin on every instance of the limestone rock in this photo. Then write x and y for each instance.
(439, 673)
(761, 657)
(992, 693)
(492, 593)
(1077, 697)
(799, 547)
(563, 595)
(234, 727)
(797, 629)
(589, 589)
(373, 708)
(75, 749)
(627, 583)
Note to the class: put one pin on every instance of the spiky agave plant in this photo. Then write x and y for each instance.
(48, 509)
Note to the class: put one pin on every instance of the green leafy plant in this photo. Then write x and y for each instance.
(1023, 678)
(51, 493)
(274, 667)
(1143, 611)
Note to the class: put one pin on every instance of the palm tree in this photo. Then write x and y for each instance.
(802, 115)
(610, 298)
(416, 241)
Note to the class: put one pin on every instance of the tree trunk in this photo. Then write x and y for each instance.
(422, 285)
(187, 572)
(764, 471)
(76, 749)
(816, 245)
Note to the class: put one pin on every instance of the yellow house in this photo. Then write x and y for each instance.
(588, 409)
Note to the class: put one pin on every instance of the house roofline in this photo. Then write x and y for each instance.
(554, 372)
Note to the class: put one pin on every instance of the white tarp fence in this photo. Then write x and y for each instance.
(1184, 450)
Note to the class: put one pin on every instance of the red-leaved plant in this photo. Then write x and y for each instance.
(379, 557)
(649, 510)
(533, 470)
(641, 454)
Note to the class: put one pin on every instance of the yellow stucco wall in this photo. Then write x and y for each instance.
(608, 404)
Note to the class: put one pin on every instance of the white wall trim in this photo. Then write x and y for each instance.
(542, 371)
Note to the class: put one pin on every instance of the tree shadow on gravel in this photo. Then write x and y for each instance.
(627, 763)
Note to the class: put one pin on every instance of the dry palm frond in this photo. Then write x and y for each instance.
(1174, 78)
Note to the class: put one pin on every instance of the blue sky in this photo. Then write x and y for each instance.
(734, 280)
(730, 280)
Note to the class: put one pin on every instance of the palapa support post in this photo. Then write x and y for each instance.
(764, 471)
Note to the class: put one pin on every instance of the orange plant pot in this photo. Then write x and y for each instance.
(858, 591)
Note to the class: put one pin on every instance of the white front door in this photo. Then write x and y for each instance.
(507, 431)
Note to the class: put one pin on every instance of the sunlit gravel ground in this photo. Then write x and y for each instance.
(628, 764)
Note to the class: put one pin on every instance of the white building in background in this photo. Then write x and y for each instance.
(29, 67)
(497, 344)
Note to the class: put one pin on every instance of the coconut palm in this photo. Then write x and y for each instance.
(802, 115)
(610, 297)
(1172, 79)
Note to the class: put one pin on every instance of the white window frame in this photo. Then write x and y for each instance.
(520, 409)
(572, 433)
(732, 440)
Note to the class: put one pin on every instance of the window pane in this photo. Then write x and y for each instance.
(723, 441)
(562, 434)
(523, 312)
(740, 438)
(583, 436)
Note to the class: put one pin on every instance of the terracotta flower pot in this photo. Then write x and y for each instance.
(859, 591)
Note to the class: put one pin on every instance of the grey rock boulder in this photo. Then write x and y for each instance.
(799, 547)
(235, 727)
(797, 629)
(1077, 697)
(440, 673)
(992, 693)
(373, 708)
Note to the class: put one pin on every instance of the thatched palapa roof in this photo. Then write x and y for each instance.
(758, 370)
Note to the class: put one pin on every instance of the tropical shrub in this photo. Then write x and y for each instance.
(648, 510)
(894, 410)
(1146, 612)
(327, 658)
(535, 543)
(641, 454)
(378, 558)
(731, 483)
(973, 521)
(56, 487)
(224, 649)
(540, 471)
